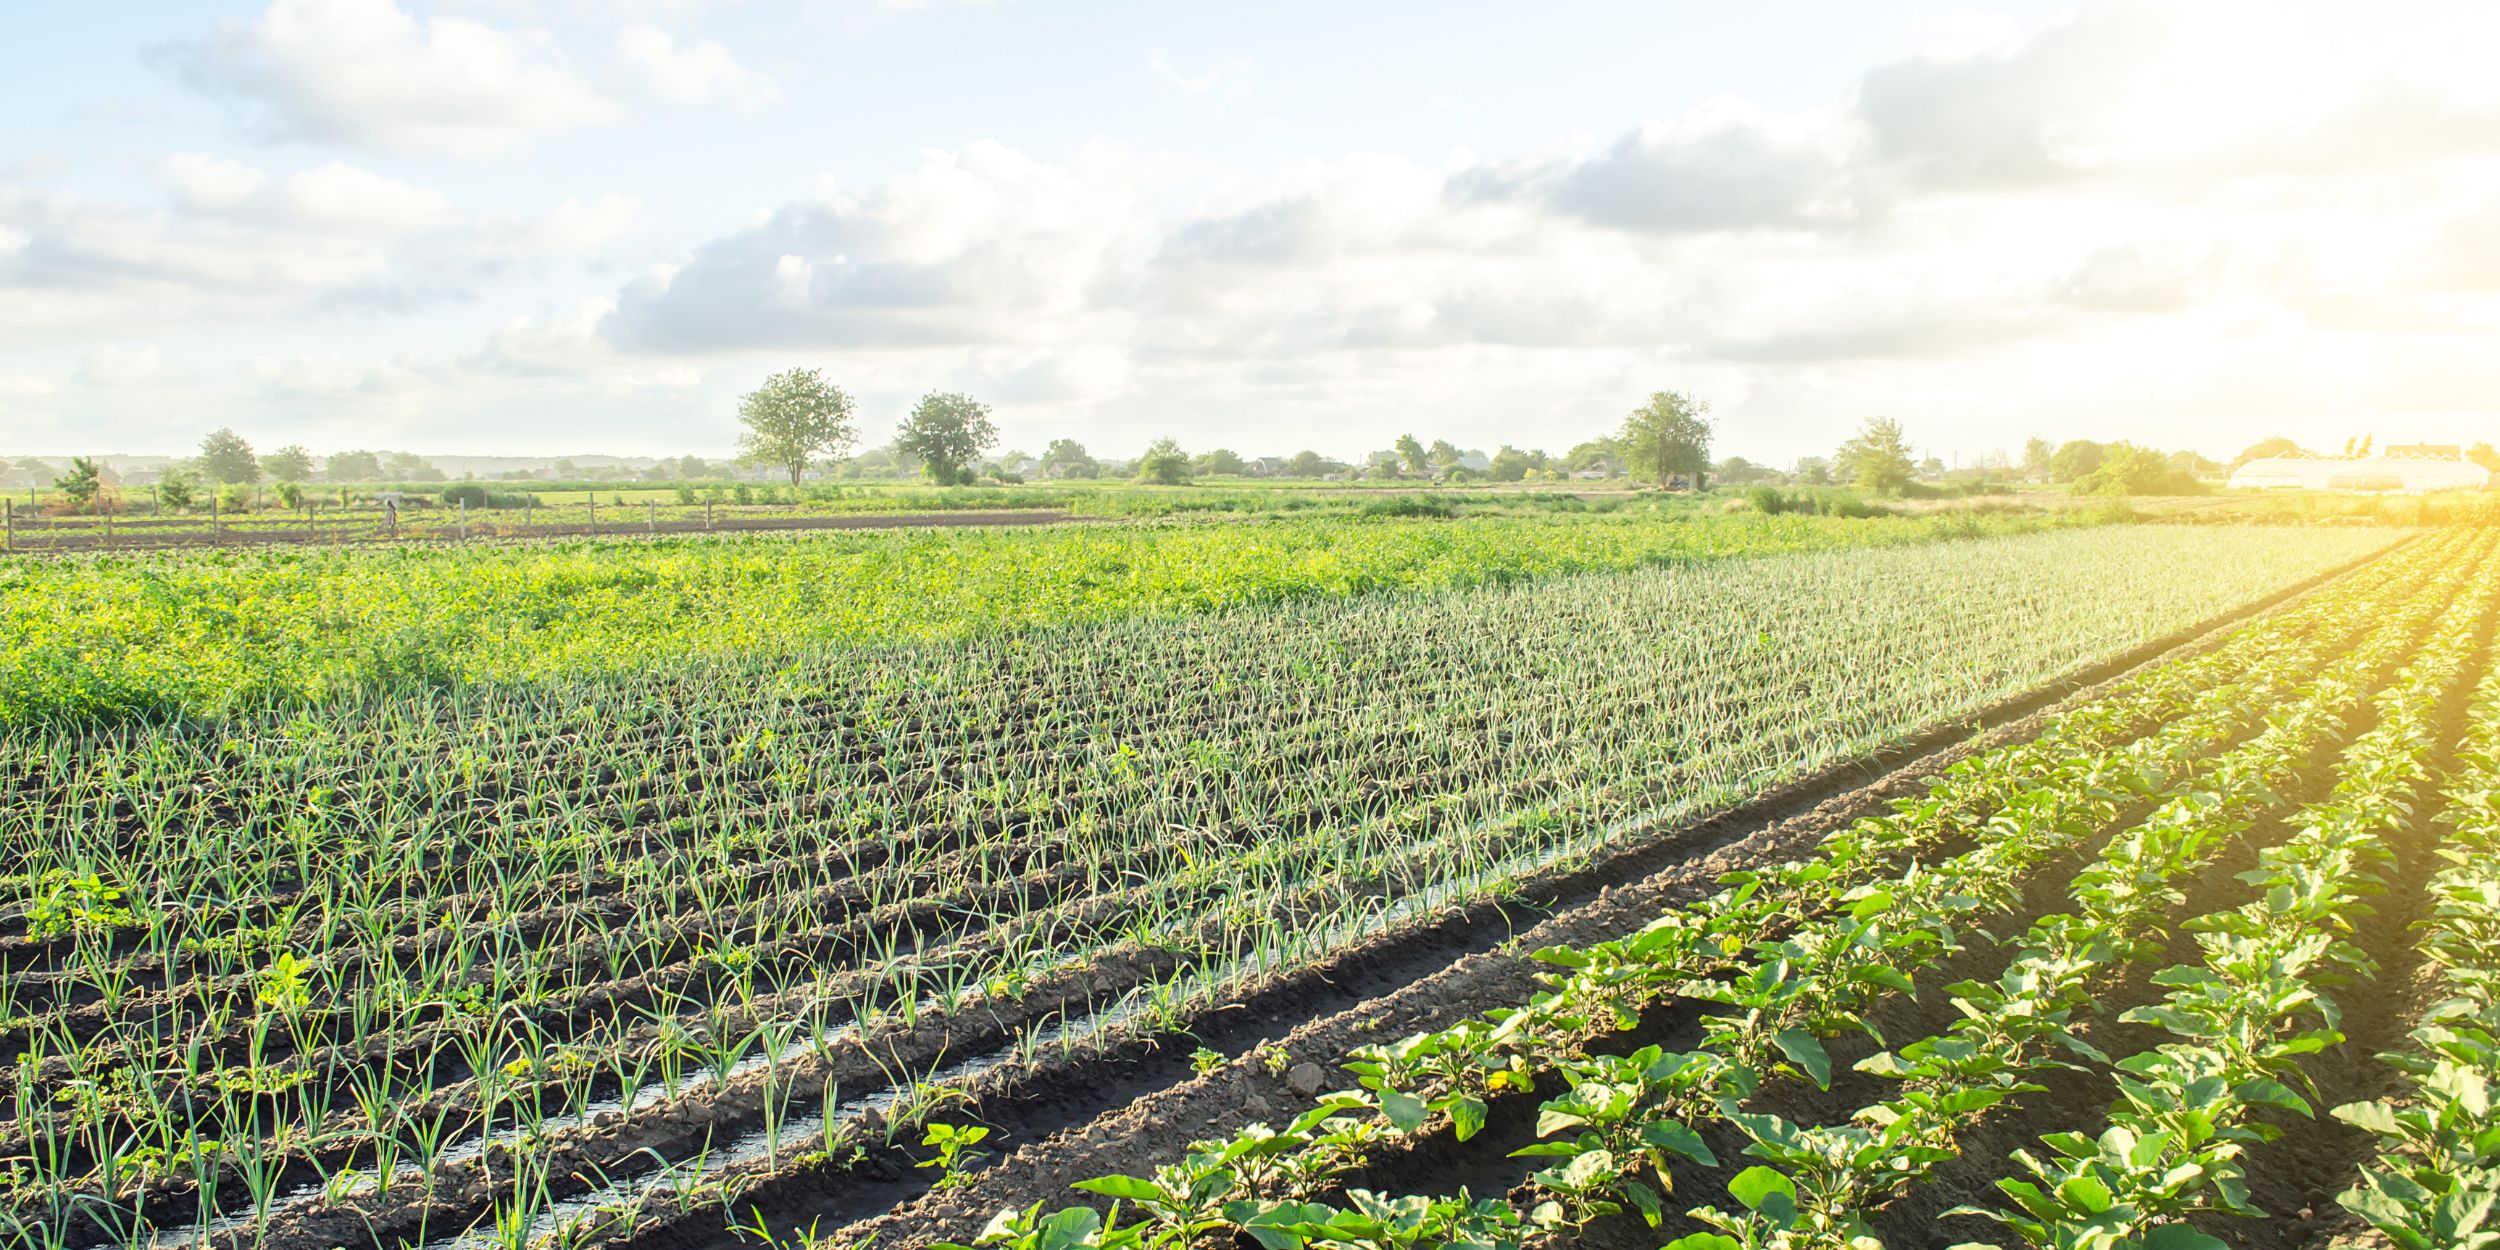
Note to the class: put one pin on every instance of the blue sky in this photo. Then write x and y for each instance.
(560, 226)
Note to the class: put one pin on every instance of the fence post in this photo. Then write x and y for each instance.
(212, 514)
(464, 520)
(529, 514)
(593, 498)
(651, 515)
(8, 511)
(707, 514)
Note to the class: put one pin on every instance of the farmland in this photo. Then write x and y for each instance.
(120, 636)
(1520, 880)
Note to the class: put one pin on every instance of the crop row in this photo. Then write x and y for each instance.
(179, 1061)
(2436, 1186)
(1853, 935)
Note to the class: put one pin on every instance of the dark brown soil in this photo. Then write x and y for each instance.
(1137, 1103)
(1462, 971)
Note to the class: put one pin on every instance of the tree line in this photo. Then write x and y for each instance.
(797, 421)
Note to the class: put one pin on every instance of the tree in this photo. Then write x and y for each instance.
(175, 489)
(408, 466)
(1738, 471)
(227, 459)
(690, 467)
(1418, 461)
(290, 463)
(1814, 471)
(2482, 454)
(946, 433)
(1878, 458)
(1306, 463)
(793, 419)
(2126, 469)
(354, 466)
(1597, 453)
(1164, 464)
(2193, 465)
(2036, 455)
(2075, 460)
(1444, 454)
(83, 485)
(2267, 449)
(1222, 462)
(1668, 436)
(1066, 457)
(1510, 465)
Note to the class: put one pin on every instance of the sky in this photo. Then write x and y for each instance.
(548, 227)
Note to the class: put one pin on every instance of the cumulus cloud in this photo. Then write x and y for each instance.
(231, 239)
(335, 197)
(1725, 166)
(364, 73)
(701, 72)
(978, 245)
(2028, 113)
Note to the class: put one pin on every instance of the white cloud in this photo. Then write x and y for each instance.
(978, 245)
(363, 73)
(334, 197)
(703, 72)
(232, 239)
(1724, 166)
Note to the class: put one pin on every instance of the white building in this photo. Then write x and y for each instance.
(2411, 474)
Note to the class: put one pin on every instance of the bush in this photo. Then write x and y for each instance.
(1409, 506)
(1813, 501)
(477, 496)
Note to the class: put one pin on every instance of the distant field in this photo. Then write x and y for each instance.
(201, 633)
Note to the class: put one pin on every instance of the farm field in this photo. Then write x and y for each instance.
(662, 956)
(204, 633)
(2203, 957)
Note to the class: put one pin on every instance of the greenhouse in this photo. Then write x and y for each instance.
(2386, 473)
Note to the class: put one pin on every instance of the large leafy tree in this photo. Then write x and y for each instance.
(1878, 458)
(2266, 449)
(794, 419)
(1593, 454)
(2076, 460)
(354, 466)
(1164, 464)
(946, 432)
(2036, 456)
(1411, 450)
(225, 458)
(1066, 457)
(2126, 469)
(291, 463)
(1667, 436)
